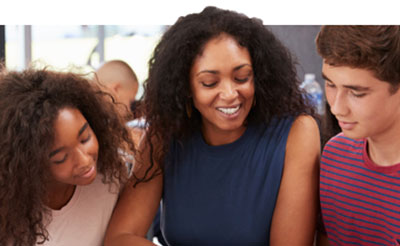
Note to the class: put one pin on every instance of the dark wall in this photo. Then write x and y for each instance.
(2, 43)
(301, 42)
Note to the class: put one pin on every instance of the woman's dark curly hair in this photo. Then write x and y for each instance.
(29, 104)
(167, 89)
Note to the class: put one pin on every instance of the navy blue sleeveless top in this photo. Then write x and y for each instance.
(224, 195)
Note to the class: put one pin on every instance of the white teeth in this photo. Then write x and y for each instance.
(229, 110)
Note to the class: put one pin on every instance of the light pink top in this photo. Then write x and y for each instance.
(83, 221)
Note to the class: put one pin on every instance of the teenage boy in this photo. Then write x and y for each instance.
(360, 167)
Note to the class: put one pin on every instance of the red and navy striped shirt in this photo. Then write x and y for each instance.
(360, 201)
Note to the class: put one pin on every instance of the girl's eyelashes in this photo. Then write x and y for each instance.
(61, 161)
(83, 141)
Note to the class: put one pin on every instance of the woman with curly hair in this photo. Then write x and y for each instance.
(230, 147)
(60, 167)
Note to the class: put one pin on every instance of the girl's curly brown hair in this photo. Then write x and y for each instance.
(29, 104)
(167, 90)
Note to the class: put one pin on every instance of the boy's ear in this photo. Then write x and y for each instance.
(115, 86)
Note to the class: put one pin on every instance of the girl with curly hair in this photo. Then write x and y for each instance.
(231, 148)
(60, 167)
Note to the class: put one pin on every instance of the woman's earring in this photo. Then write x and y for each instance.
(189, 109)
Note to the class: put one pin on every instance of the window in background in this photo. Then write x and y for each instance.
(14, 46)
(81, 48)
(55, 47)
(63, 47)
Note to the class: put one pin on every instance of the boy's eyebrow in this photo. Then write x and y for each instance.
(352, 87)
(325, 77)
(83, 128)
(356, 87)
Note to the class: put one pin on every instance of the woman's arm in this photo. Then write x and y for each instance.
(135, 211)
(295, 214)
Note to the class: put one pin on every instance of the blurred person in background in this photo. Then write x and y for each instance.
(121, 81)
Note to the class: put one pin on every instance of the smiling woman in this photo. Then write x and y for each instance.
(222, 87)
(58, 158)
(230, 148)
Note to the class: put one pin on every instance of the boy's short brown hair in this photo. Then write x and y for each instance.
(375, 48)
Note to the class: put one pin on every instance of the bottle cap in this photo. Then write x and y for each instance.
(309, 76)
